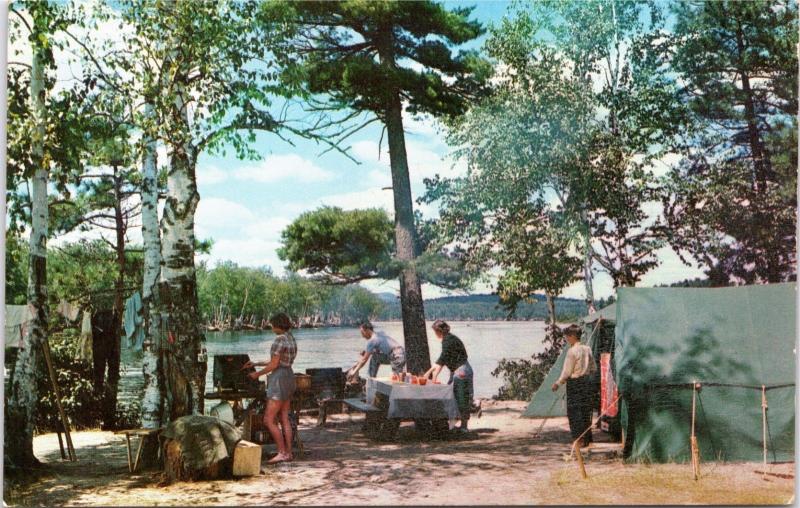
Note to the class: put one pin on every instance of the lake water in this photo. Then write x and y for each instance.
(487, 342)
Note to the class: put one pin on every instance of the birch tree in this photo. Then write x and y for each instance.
(210, 80)
(32, 160)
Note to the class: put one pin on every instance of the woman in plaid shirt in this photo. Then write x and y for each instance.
(280, 385)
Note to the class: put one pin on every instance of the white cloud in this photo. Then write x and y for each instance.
(283, 167)
(245, 252)
(210, 175)
(220, 214)
(372, 198)
(424, 159)
(267, 228)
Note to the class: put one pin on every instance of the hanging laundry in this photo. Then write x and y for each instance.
(85, 340)
(133, 321)
(69, 310)
(17, 319)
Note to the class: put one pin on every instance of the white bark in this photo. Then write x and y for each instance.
(151, 402)
(184, 376)
(23, 397)
(588, 257)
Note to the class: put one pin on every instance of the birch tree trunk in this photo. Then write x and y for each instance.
(588, 256)
(184, 376)
(23, 397)
(551, 309)
(152, 401)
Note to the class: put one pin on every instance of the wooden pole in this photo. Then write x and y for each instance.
(693, 440)
(764, 423)
(53, 380)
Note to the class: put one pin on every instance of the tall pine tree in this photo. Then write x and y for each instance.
(382, 58)
(732, 201)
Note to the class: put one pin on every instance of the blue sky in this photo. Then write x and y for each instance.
(245, 204)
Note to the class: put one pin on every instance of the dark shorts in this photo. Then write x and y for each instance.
(281, 384)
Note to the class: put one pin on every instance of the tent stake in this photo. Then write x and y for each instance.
(695, 450)
(764, 424)
(579, 456)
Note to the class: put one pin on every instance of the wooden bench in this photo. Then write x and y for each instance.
(361, 405)
(133, 464)
(377, 425)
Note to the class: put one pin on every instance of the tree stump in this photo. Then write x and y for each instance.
(176, 470)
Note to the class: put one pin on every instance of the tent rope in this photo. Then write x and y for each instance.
(707, 426)
(690, 385)
(575, 449)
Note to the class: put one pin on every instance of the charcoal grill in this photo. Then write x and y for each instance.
(229, 375)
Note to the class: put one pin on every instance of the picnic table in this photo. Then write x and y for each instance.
(432, 407)
(408, 401)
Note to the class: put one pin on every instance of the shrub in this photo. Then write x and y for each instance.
(78, 398)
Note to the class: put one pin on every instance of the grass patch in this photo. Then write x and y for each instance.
(729, 484)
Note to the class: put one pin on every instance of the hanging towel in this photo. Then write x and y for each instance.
(69, 310)
(17, 319)
(85, 340)
(133, 321)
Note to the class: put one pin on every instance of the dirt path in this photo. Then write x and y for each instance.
(498, 463)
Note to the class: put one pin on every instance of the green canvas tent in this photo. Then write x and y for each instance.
(545, 403)
(735, 342)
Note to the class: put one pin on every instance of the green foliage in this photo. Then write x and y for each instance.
(228, 291)
(78, 398)
(341, 246)
(559, 152)
(85, 271)
(81, 272)
(16, 259)
(66, 111)
(732, 198)
(345, 37)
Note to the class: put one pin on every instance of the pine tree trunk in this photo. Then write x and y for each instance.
(112, 384)
(411, 305)
(22, 397)
(184, 376)
(152, 401)
(416, 338)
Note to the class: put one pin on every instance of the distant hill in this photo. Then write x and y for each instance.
(484, 307)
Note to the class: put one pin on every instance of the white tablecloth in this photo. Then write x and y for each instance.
(415, 401)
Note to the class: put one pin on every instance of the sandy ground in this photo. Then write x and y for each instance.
(499, 462)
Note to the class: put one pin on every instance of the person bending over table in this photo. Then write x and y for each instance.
(577, 374)
(380, 350)
(280, 385)
(454, 357)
